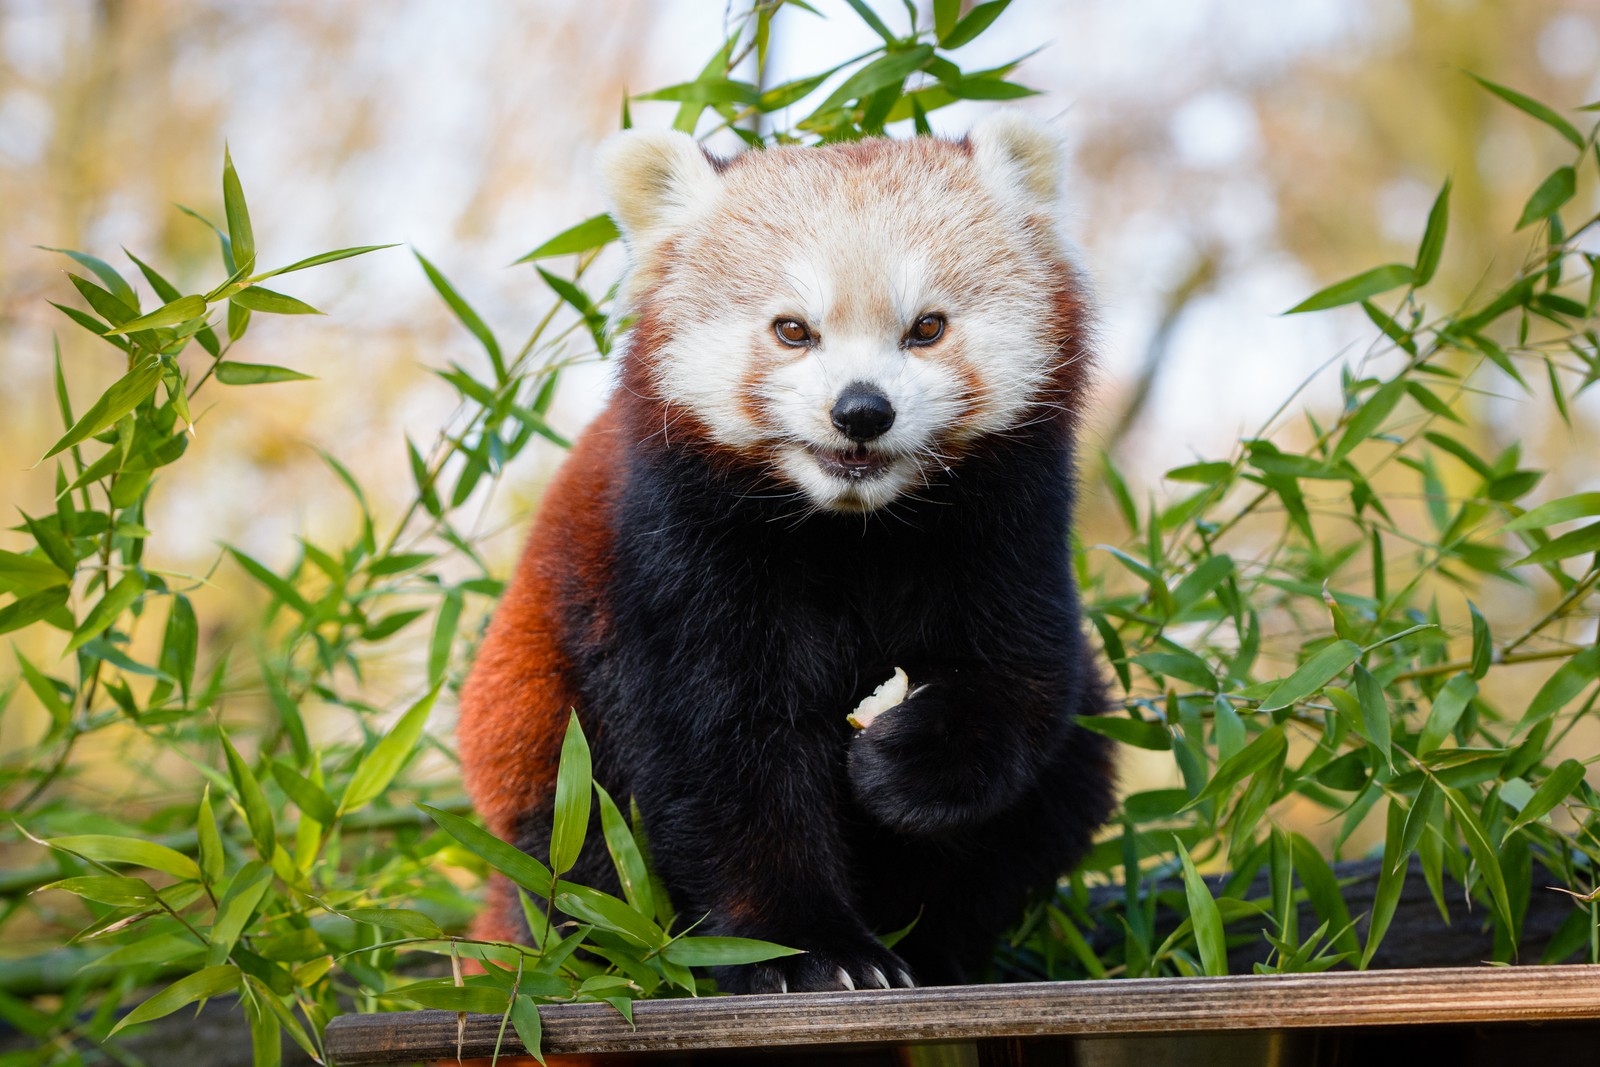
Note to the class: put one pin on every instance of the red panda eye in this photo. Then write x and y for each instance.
(926, 330)
(792, 332)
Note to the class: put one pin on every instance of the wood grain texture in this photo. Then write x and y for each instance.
(895, 1017)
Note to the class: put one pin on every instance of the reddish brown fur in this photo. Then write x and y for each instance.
(1070, 380)
(515, 703)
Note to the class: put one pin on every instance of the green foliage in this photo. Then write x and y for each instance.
(1295, 625)
(1291, 625)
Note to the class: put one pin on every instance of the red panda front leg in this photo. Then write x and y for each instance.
(744, 830)
(963, 746)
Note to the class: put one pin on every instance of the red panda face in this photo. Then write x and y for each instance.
(853, 317)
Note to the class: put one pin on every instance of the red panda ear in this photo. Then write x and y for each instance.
(1018, 158)
(655, 184)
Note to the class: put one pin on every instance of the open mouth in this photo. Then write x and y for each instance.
(854, 464)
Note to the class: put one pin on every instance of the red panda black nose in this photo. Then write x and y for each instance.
(862, 412)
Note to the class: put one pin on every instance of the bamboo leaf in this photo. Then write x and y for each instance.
(974, 23)
(1368, 419)
(885, 71)
(1323, 890)
(1374, 711)
(307, 795)
(1448, 706)
(1355, 289)
(444, 635)
(180, 310)
(180, 642)
(409, 922)
(117, 890)
(1391, 882)
(608, 913)
(212, 857)
(321, 258)
(1482, 642)
(632, 872)
(589, 234)
(378, 767)
(117, 599)
(989, 89)
(1483, 854)
(125, 394)
(1564, 509)
(1269, 746)
(1556, 787)
(1312, 675)
(238, 904)
(1204, 473)
(525, 1020)
(210, 982)
(27, 610)
(52, 693)
(1180, 664)
(1432, 246)
(104, 271)
(1575, 543)
(1207, 919)
(1533, 107)
(278, 587)
(574, 782)
(509, 860)
(707, 92)
(232, 372)
(1424, 810)
(440, 995)
(257, 813)
(1570, 679)
(463, 311)
(104, 303)
(1154, 736)
(256, 298)
(871, 18)
(241, 237)
(723, 951)
(1552, 193)
(105, 848)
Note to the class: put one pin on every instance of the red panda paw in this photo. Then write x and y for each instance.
(867, 967)
(909, 768)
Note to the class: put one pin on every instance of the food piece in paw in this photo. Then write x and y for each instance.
(881, 700)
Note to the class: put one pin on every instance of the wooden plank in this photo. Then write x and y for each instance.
(967, 1013)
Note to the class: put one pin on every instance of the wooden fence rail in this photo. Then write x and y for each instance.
(988, 1014)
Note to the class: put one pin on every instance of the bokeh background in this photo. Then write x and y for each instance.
(1226, 157)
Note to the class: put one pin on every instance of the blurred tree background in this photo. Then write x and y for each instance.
(1226, 158)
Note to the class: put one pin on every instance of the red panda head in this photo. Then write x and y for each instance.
(852, 317)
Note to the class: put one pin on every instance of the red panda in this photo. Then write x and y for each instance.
(841, 446)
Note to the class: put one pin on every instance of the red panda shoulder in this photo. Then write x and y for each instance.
(516, 700)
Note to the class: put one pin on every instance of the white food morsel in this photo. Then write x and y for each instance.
(882, 699)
